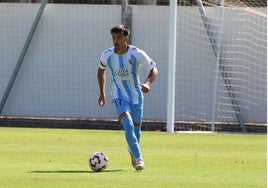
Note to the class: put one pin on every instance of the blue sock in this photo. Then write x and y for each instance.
(137, 131)
(130, 136)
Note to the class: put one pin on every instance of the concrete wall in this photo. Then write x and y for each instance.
(58, 75)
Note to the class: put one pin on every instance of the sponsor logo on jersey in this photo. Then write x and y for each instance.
(123, 74)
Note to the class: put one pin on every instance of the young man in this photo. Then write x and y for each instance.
(124, 62)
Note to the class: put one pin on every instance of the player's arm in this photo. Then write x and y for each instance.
(101, 80)
(145, 87)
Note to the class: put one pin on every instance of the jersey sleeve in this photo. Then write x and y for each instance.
(103, 61)
(146, 61)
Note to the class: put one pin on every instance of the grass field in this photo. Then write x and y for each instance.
(36, 158)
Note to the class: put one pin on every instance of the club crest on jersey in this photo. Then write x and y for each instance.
(131, 61)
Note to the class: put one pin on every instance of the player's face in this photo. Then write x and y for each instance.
(120, 42)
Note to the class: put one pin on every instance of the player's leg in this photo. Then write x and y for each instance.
(125, 118)
(137, 130)
(134, 150)
(131, 139)
(137, 115)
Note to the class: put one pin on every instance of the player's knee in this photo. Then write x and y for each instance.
(123, 114)
(137, 123)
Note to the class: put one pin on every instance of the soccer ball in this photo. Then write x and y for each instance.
(98, 161)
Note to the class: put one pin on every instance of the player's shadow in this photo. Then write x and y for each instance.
(71, 171)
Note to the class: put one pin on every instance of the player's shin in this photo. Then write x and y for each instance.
(137, 131)
(131, 137)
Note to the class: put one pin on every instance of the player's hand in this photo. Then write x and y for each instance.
(145, 87)
(101, 100)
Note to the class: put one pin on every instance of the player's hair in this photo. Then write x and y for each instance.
(123, 29)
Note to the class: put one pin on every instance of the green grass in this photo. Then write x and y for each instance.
(58, 158)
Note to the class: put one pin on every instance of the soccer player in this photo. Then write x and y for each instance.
(124, 62)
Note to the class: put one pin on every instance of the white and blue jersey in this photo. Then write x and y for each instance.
(124, 71)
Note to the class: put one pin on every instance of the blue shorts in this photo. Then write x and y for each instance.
(135, 110)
